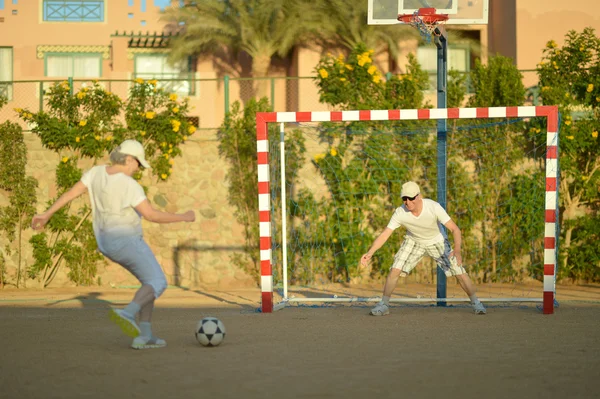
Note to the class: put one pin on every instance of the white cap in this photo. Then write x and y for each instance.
(410, 189)
(136, 150)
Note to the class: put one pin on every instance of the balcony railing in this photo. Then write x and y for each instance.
(73, 11)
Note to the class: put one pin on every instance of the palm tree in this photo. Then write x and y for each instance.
(232, 29)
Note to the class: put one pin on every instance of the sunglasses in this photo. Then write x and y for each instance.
(404, 199)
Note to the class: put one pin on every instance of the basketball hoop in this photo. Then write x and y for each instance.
(425, 20)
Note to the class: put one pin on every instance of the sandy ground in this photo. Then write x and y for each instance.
(59, 343)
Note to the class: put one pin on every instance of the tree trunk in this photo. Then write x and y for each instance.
(260, 69)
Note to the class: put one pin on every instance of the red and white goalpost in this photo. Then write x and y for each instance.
(551, 201)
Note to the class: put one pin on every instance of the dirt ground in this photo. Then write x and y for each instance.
(59, 343)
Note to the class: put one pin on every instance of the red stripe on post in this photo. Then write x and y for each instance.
(265, 268)
(267, 302)
(336, 116)
(263, 187)
(423, 114)
(550, 216)
(263, 158)
(394, 114)
(268, 116)
(549, 242)
(550, 183)
(264, 216)
(482, 112)
(303, 116)
(548, 270)
(364, 115)
(512, 112)
(265, 243)
(551, 153)
(548, 302)
(453, 113)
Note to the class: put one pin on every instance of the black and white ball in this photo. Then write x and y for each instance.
(210, 331)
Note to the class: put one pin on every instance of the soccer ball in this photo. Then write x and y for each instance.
(210, 331)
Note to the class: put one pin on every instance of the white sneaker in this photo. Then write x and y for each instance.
(125, 322)
(148, 343)
(478, 308)
(381, 309)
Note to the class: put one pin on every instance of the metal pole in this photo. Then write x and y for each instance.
(283, 213)
(441, 42)
(226, 90)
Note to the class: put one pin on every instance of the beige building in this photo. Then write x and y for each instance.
(115, 41)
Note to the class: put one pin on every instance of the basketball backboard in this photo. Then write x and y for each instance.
(460, 12)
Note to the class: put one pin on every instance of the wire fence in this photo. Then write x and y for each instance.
(210, 99)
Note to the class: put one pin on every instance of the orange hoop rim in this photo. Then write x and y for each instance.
(425, 15)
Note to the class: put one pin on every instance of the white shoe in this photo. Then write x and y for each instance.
(140, 342)
(125, 322)
(478, 308)
(381, 309)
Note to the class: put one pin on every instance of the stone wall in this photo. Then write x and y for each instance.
(191, 254)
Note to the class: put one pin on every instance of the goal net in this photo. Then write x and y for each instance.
(329, 182)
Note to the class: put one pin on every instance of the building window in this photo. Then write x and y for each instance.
(459, 59)
(173, 79)
(73, 65)
(6, 72)
(74, 10)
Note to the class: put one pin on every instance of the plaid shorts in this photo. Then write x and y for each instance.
(411, 252)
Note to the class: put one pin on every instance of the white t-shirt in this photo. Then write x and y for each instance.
(425, 228)
(113, 199)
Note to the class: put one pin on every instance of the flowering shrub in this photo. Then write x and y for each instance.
(355, 82)
(159, 121)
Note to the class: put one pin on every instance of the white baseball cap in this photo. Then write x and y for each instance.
(410, 189)
(136, 150)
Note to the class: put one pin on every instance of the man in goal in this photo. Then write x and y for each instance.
(422, 218)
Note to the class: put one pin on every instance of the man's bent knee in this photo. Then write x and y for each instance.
(159, 286)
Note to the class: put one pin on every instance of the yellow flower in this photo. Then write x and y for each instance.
(163, 176)
(545, 88)
(170, 170)
(191, 129)
(108, 138)
(333, 152)
(81, 95)
(139, 81)
(376, 79)
(77, 139)
(343, 79)
(175, 124)
(142, 133)
(65, 159)
(184, 138)
(323, 73)
(568, 123)
(173, 97)
(581, 48)
(551, 44)
(97, 137)
(349, 67)
(171, 161)
(82, 122)
(570, 137)
(594, 134)
(335, 240)
(153, 82)
(598, 99)
(175, 110)
(590, 88)
(319, 157)
(150, 115)
(18, 110)
(166, 156)
(372, 69)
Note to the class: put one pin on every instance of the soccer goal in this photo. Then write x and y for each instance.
(328, 183)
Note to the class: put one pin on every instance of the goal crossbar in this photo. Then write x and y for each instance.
(551, 197)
